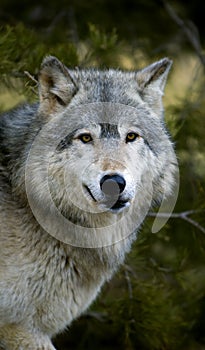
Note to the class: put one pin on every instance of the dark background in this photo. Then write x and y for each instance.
(157, 299)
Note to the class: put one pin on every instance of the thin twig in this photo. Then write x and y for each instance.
(189, 30)
(73, 25)
(31, 77)
(57, 19)
(183, 215)
(129, 285)
(100, 316)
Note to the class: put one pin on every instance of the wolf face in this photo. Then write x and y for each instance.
(98, 160)
(102, 168)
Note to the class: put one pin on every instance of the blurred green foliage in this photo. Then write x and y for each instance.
(157, 299)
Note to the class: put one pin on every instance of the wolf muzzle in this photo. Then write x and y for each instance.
(112, 186)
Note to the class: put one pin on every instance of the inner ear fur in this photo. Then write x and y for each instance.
(151, 83)
(56, 85)
(154, 74)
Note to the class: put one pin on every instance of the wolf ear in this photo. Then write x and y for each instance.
(151, 83)
(56, 85)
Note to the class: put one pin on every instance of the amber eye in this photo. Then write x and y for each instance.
(131, 136)
(85, 138)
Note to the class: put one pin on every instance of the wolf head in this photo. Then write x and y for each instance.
(104, 142)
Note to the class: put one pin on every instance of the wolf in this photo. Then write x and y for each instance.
(79, 171)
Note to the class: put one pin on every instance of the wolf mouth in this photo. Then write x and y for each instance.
(119, 205)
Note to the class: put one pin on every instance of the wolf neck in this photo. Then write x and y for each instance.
(105, 259)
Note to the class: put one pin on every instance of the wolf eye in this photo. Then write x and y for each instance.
(85, 138)
(131, 136)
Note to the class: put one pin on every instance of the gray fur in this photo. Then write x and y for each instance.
(45, 283)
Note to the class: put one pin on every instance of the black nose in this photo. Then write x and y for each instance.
(112, 185)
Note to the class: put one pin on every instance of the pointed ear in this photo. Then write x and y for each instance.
(151, 82)
(56, 86)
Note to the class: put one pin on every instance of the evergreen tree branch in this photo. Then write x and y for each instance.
(183, 215)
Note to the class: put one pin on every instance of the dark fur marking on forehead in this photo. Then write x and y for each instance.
(109, 130)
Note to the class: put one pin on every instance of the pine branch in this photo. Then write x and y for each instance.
(183, 215)
(189, 30)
